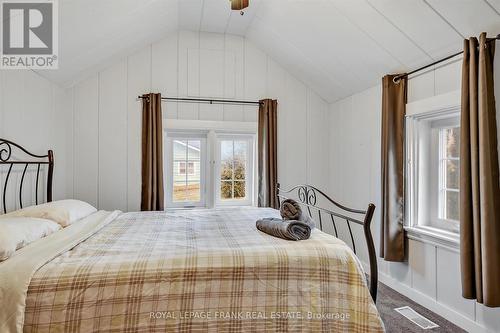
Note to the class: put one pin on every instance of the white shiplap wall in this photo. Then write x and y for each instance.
(431, 275)
(107, 114)
(35, 113)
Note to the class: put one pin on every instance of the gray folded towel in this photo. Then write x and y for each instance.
(286, 229)
(290, 210)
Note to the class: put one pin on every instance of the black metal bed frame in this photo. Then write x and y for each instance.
(6, 158)
(307, 196)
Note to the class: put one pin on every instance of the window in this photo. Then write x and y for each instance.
(449, 173)
(206, 168)
(433, 171)
(234, 166)
(182, 168)
(185, 171)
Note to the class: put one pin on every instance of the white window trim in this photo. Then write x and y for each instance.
(445, 105)
(434, 236)
(249, 176)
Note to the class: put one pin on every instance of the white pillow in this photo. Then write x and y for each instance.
(17, 232)
(64, 212)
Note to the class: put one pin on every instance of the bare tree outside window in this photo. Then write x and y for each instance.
(233, 169)
(449, 173)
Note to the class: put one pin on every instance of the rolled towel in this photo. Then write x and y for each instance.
(290, 210)
(290, 230)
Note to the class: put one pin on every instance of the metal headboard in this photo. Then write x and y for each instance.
(6, 158)
(308, 196)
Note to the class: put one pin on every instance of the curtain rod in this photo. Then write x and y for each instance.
(202, 100)
(399, 77)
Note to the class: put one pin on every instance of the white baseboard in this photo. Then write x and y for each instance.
(428, 302)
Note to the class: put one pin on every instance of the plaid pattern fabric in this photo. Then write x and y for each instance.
(200, 271)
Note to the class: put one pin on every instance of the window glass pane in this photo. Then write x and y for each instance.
(226, 190)
(226, 150)
(179, 157)
(239, 169)
(239, 189)
(240, 156)
(452, 205)
(181, 167)
(193, 147)
(186, 170)
(233, 169)
(191, 169)
(180, 149)
(240, 150)
(452, 142)
(193, 188)
(226, 169)
(179, 190)
(452, 174)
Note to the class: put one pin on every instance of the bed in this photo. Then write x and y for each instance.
(200, 270)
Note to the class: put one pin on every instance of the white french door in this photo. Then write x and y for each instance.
(234, 170)
(186, 156)
(208, 168)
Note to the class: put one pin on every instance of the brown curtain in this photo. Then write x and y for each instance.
(479, 177)
(152, 153)
(393, 113)
(268, 153)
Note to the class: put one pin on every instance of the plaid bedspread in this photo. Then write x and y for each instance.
(200, 271)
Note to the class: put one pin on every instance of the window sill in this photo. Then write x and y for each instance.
(438, 237)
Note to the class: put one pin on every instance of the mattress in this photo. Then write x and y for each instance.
(205, 270)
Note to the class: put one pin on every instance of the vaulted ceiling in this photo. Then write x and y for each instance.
(337, 47)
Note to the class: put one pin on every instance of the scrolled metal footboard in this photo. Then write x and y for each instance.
(308, 196)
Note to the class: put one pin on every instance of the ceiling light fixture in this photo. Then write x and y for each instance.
(239, 4)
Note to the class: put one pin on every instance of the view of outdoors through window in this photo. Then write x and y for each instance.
(449, 173)
(186, 170)
(190, 168)
(233, 169)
